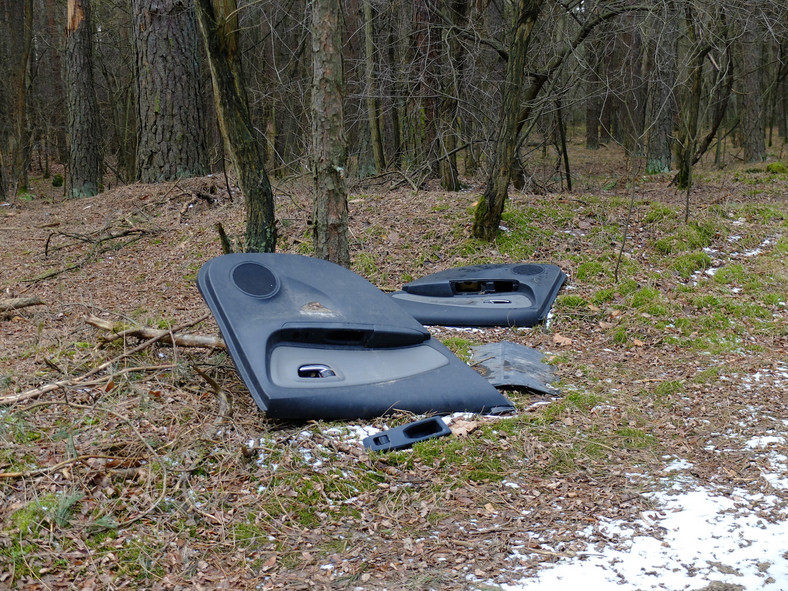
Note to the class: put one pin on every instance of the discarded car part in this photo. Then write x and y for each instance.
(510, 364)
(406, 435)
(313, 340)
(483, 295)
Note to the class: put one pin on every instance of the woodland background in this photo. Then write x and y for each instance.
(120, 90)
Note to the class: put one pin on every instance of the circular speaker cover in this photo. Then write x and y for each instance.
(527, 270)
(255, 280)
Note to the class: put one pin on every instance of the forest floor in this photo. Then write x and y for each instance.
(671, 352)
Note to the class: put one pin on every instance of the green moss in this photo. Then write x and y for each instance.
(659, 212)
(706, 301)
(365, 265)
(730, 274)
(620, 336)
(627, 287)
(35, 515)
(139, 559)
(603, 296)
(471, 454)
(570, 302)
(693, 236)
(707, 375)
(645, 296)
(460, 346)
(685, 265)
(589, 270)
(777, 168)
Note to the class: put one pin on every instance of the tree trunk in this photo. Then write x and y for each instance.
(593, 92)
(373, 116)
(690, 108)
(426, 106)
(751, 128)
(83, 121)
(328, 134)
(450, 177)
(397, 108)
(13, 132)
(54, 115)
(490, 208)
(661, 109)
(218, 23)
(170, 126)
(517, 106)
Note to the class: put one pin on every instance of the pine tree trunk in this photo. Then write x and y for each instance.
(170, 125)
(328, 134)
(13, 111)
(83, 121)
(235, 122)
(373, 116)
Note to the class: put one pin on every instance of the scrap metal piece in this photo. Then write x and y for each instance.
(510, 364)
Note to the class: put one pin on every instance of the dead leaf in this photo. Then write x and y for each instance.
(269, 564)
(605, 325)
(638, 342)
(561, 341)
(461, 427)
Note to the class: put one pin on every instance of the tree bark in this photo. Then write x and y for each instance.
(449, 174)
(425, 108)
(218, 23)
(170, 125)
(328, 134)
(593, 92)
(690, 109)
(752, 132)
(83, 120)
(490, 208)
(661, 109)
(13, 134)
(373, 115)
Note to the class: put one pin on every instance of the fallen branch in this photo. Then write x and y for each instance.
(165, 336)
(13, 398)
(16, 303)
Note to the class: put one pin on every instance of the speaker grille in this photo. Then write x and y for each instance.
(255, 280)
(527, 270)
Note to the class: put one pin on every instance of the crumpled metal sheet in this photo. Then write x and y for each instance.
(513, 365)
